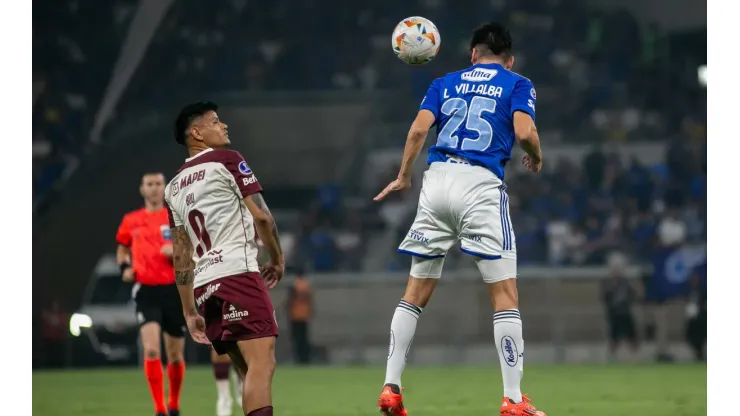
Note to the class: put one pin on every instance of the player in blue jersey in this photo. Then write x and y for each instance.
(479, 113)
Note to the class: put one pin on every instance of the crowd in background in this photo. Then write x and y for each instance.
(569, 215)
(601, 76)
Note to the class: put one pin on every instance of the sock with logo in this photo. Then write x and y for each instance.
(507, 330)
(175, 374)
(403, 328)
(263, 411)
(155, 378)
(221, 374)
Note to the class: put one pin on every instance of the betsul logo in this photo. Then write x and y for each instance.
(244, 169)
(509, 351)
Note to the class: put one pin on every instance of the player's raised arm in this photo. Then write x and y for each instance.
(414, 143)
(418, 132)
(273, 270)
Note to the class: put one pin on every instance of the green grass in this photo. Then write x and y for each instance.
(678, 390)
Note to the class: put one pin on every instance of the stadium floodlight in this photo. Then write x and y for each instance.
(702, 73)
(77, 322)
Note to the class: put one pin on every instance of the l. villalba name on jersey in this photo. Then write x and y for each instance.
(480, 89)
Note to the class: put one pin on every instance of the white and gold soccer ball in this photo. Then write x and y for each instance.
(416, 40)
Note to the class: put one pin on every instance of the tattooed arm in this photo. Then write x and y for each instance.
(182, 259)
(266, 227)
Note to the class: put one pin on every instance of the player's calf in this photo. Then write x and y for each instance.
(258, 356)
(507, 332)
(422, 281)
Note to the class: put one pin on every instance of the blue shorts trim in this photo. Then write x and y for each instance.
(422, 256)
(483, 256)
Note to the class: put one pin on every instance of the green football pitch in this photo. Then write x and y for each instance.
(656, 390)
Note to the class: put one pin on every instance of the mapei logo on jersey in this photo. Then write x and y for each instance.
(244, 169)
(187, 180)
(479, 75)
(210, 290)
(166, 232)
(235, 314)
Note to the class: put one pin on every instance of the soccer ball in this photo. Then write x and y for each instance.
(416, 40)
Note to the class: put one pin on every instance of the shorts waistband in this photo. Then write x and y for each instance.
(456, 160)
(465, 167)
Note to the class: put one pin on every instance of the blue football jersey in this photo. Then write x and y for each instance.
(474, 112)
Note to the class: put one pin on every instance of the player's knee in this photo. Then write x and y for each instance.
(268, 364)
(176, 357)
(151, 353)
(262, 370)
(504, 294)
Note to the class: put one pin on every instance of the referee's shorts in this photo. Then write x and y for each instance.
(160, 304)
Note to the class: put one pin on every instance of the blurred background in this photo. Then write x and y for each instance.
(611, 237)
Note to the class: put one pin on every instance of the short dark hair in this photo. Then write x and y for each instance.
(189, 113)
(149, 172)
(493, 36)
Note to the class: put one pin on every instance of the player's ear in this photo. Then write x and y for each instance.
(473, 55)
(195, 133)
(509, 63)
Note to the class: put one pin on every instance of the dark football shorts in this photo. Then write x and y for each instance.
(160, 304)
(236, 308)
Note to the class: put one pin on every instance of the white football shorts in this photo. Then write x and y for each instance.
(469, 204)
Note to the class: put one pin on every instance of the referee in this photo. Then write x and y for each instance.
(145, 257)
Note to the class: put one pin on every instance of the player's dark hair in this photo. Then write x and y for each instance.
(189, 113)
(148, 172)
(494, 37)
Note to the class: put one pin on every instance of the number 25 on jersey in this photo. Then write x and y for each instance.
(457, 110)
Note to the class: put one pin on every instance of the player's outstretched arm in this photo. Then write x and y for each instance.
(414, 143)
(273, 270)
(526, 134)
